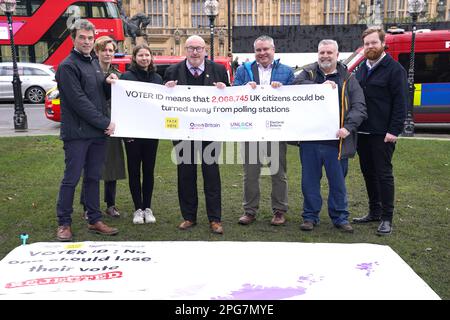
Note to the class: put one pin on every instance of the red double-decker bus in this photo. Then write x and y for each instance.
(41, 31)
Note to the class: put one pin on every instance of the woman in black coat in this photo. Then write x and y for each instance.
(141, 152)
(114, 167)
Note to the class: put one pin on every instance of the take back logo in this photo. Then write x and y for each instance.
(195, 126)
(241, 125)
(270, 124)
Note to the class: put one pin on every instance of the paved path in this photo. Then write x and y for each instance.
(38, 124)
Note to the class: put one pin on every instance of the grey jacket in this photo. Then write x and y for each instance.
(352, 107)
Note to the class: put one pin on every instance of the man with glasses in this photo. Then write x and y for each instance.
(264, 71)
(198, 71)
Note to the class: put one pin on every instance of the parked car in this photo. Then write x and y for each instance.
(121, 62)
(52, 105)
(36, 79)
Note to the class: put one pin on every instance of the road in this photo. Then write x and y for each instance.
(38, 124)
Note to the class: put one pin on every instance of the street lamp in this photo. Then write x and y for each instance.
(424, 12)
(229, 26)
(20, 118)
(362, 9)
(440, 8)
(414, 9)
(211, 10)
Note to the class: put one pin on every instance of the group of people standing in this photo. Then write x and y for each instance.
(372, 110)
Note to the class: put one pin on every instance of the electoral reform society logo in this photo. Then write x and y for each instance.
(241, 125)
(203, 125)
(271, 124)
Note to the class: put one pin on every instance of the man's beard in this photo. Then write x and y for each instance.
(373, 54)
(325, 64)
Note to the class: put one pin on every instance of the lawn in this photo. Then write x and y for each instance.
(31, 169)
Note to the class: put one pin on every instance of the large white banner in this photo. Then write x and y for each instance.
(289, 113)
(208, 270)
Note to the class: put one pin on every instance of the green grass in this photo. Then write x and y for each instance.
(31, 169)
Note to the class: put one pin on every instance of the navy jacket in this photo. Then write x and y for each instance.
(83, 93)
(386, 92)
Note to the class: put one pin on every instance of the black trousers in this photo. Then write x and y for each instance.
(109, 193)
(141, 153)
(86, 155)
(187, 160)
(375, 160)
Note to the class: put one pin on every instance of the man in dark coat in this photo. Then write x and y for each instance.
(84, 126)
(331, 154)
(196, 70)
(385, 87)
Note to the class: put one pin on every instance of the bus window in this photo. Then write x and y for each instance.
(99, 11)
(23, 54)
(35, 4)
(79, 10)
(41, 51)
(428, 67)
(113, 11)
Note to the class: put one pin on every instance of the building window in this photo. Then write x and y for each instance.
(391, 10)
(158, 12)
(246, 11)
(336, 11)
(396, 10)
(198, 17)
(289, 12)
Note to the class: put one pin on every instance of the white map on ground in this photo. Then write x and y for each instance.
(208, 271)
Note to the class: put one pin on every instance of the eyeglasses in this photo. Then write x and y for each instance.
(192, 49)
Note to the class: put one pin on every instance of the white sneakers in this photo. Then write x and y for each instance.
(148, 215)
(138, 217)
(144, 216)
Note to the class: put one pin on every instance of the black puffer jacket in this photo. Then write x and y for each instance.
(135, 73)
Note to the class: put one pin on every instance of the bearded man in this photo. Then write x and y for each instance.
(384, 83)
(331, 154)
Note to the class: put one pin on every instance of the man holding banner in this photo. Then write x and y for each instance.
(264, 71)
(332, 154)
(198, 71)
(84, 127)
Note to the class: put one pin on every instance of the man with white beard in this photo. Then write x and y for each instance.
(331, 154)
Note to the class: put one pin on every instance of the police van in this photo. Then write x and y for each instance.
(431, 70)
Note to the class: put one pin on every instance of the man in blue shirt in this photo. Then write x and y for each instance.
(264, 71)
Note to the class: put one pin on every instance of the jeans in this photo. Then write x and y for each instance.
(313, 157)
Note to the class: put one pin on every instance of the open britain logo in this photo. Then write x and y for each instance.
(196, 126)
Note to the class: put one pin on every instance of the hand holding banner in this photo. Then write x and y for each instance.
(288, 113)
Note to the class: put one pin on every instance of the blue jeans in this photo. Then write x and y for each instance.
(313, 157)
